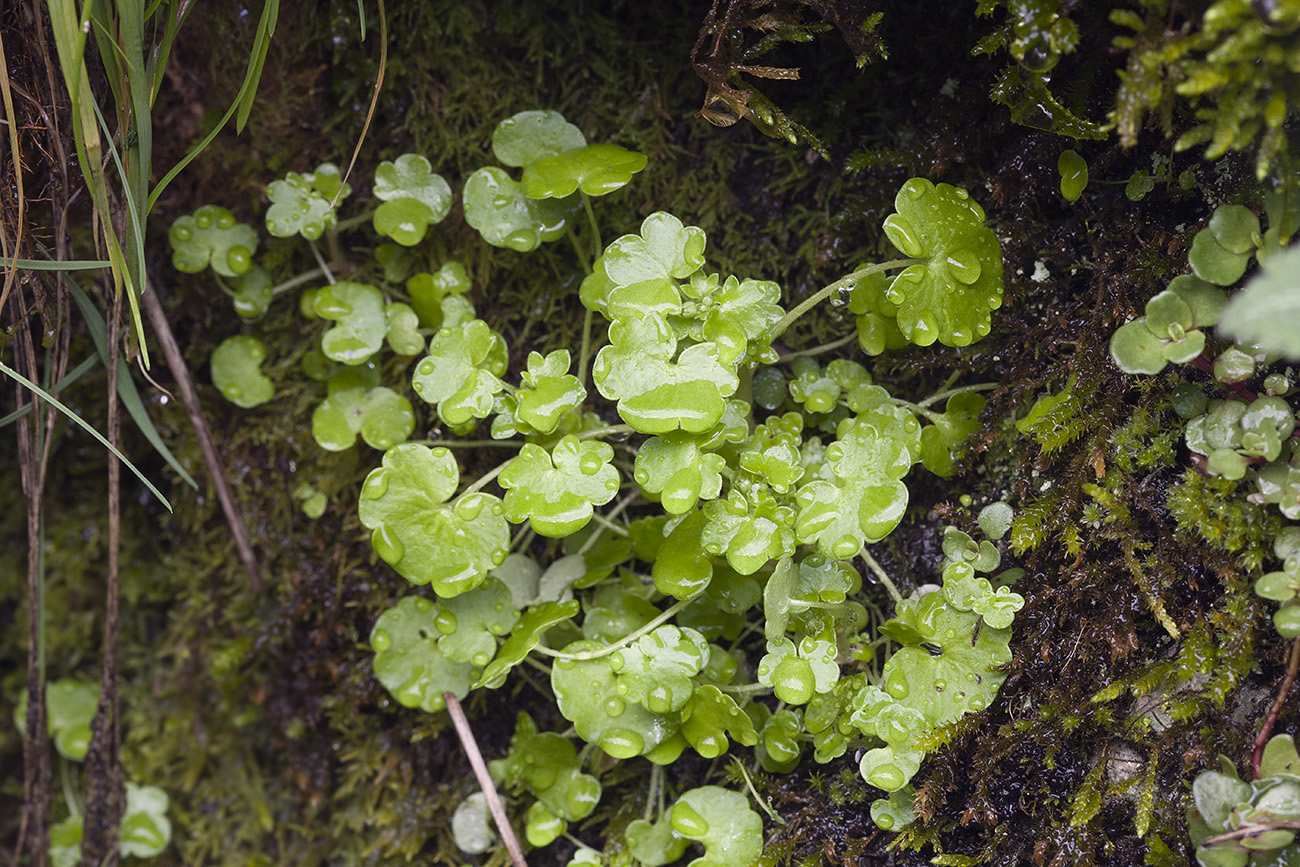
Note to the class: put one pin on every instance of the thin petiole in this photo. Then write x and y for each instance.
(882, 575)
(585, 655)
(847, 282)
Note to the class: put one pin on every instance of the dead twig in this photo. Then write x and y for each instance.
(190, 397)
(467, 742)
(1292, 667)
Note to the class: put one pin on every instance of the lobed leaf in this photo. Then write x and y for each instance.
(211, 236)
(358, 310)
(408, 661)
(556, 492)
(413, 199)
(236, 371)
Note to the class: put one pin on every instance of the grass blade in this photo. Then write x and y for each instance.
(126, 389)
(46, 396)
(54, 265)
(71, 377)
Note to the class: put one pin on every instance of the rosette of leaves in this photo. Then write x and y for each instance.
(356, 404)
(408, 660)
(428, 540)
(556, 492)
(950, 294)
(439, 299)
(658, 389)
(357, 309)
(750, 526)
(772, 452)
(547, 765)
(413, 196)
(590, 694)
(236, 371)
(820, 390)
(1283, 585)
(721, 820)
(679, 468)
(1263, 811)
(1171, 328)
(865, 499)
(303, 204)
(877, 316)
(713, 308)
(1233, 434)
(69, 707)
(462, 372)
(211, 236)
(800, 599)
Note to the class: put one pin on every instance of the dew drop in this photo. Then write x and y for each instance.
(386, 545)
(614, 706)
(660, 699)
(182, 233)
(446, 622)
(426, 367)
(642, 477)
(845, 548)
(203, 221)
(617, 661)
(234, 392)
(915, 190)
(622, 743)
(380, 640)
(422, 605)
(376, 485)
(687, 822)
(887, 777)
(468, 509)
(499, 555)
(590, 464)
(896, 684)
(926, 329)
(903, 235)
(964, 265)
(940, 685)
(977, 703)
(481, 659)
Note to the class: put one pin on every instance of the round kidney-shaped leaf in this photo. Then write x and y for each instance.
(495, 205)
(382, 416)
(236, 371)
(70, 706)
(472, 621)
(556, 492)
(595, 169)
(252, 292)
(450, 546)
(948, 296)
(654, 845)
(529, 136)
(408, 661)
(145, 830)
(358, 310)
(461, 373)
(414, 198)
(721, 819)
(588, 694)
(212, 236)
(302, 204)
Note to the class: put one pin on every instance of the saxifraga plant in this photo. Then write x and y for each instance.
(708, 539)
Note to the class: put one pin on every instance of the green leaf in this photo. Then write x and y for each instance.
(714, 306)
(1235, 228)
(654, 845)
(896, 812)
(772, 452)
(1213, 263)
(1280, 757)
(710, 716)
(212, 236)
(416, 531)
(877, 316)
(471, 622)
(679, 570)
(414, 198)
(995, 520)
(749, 526)
(656, 669)
(1215, 795)
(382, 416)
(596, 169)
(69, 706)
(430, 293)
(657, 389)
(529, 136)
(236, 371)
(556, 492)
(358, 310)
(301, 204)
(1267, 312)
(665, 251)
(1135, 349)
(498, 209)
(65, 842)
(797, 674)
(461, 373)
(527, 634)
(145, 830)
(408, 661)
(779, 746)
(590, 694)
(945, 438)
(252, 292)
(404, 336)
(677, 467)
(731, 832)
(1074, 177)
(864, 501)
(547, 391)
(949, 296)
(471, 825)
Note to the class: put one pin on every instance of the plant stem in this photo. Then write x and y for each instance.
(353, 222)
(320, 260)
(744, 689)
(1292, 667)
(487, 477)
(470, 444)
(880, 573)
(595, 227)
(946, 393)
(622, 642)
(818, 350)
(917, 408)
(847, 282)
(656, 780)
(467, 742)
(1251, 830)
(607, 524)
(767, 808)
(305, 277)
(613, 513)
(612, 430)
(585, 353)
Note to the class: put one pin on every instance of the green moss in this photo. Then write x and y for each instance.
(1215, 510)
